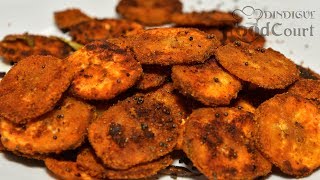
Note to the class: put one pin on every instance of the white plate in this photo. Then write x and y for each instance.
(36, 16)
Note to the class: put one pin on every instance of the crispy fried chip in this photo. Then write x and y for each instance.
(104, 69)
(101, 29)
(307, 73)
(265, 68)
(32, 87)
(219, 148)
(153, 76)
(14, 48)
(137, 130)
(287, 133)
(206, 82)
(67, 18)
(89, 163)
(61, 129)
(168, 46)
(306, 88)
(206, 18)
(66, 169)
(151, 12)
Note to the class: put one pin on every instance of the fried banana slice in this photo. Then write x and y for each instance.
(67, 18)
(206, 18)
(89, 163)
(307, 88)
(14, 48)
(265, 68)
(168, 46)
(206, 82)
(32, 87)
(101, 29)
(104, 71)
(244, 35)
(137, 130)
(149, 13)
(66, 169)
(219, 148)
(287, 127)
(153, 76)
(307, 73)
(59, 130)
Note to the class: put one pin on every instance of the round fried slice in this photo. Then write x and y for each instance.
(32, 87)
(206, 18)
(287, 133)
(100, 29)
(67, 18)
(153, 76)
(244, 35)
(105, 71)
(168, 46)
(66, 169)
(61, 129)
(206, 82)
(149, 13)
(137, 130)
(14, 48)
(306, 88)
(88, 162)
(265, 68)
(219, 149)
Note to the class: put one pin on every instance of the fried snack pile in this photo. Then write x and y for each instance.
(128, 100)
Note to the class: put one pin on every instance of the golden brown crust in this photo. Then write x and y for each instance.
(168, 46)
(59, 130)
(265, 68)
(219, 148)
(88, 162)
(137, 130)
(206, 82)
(65, 169)
(206, 18)
(307, 88)
(67, 18)
(14, 48)
(287, 133)
(102, 29)
(103, 71)
(149, 13)
(32, 87)
(152, 77)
